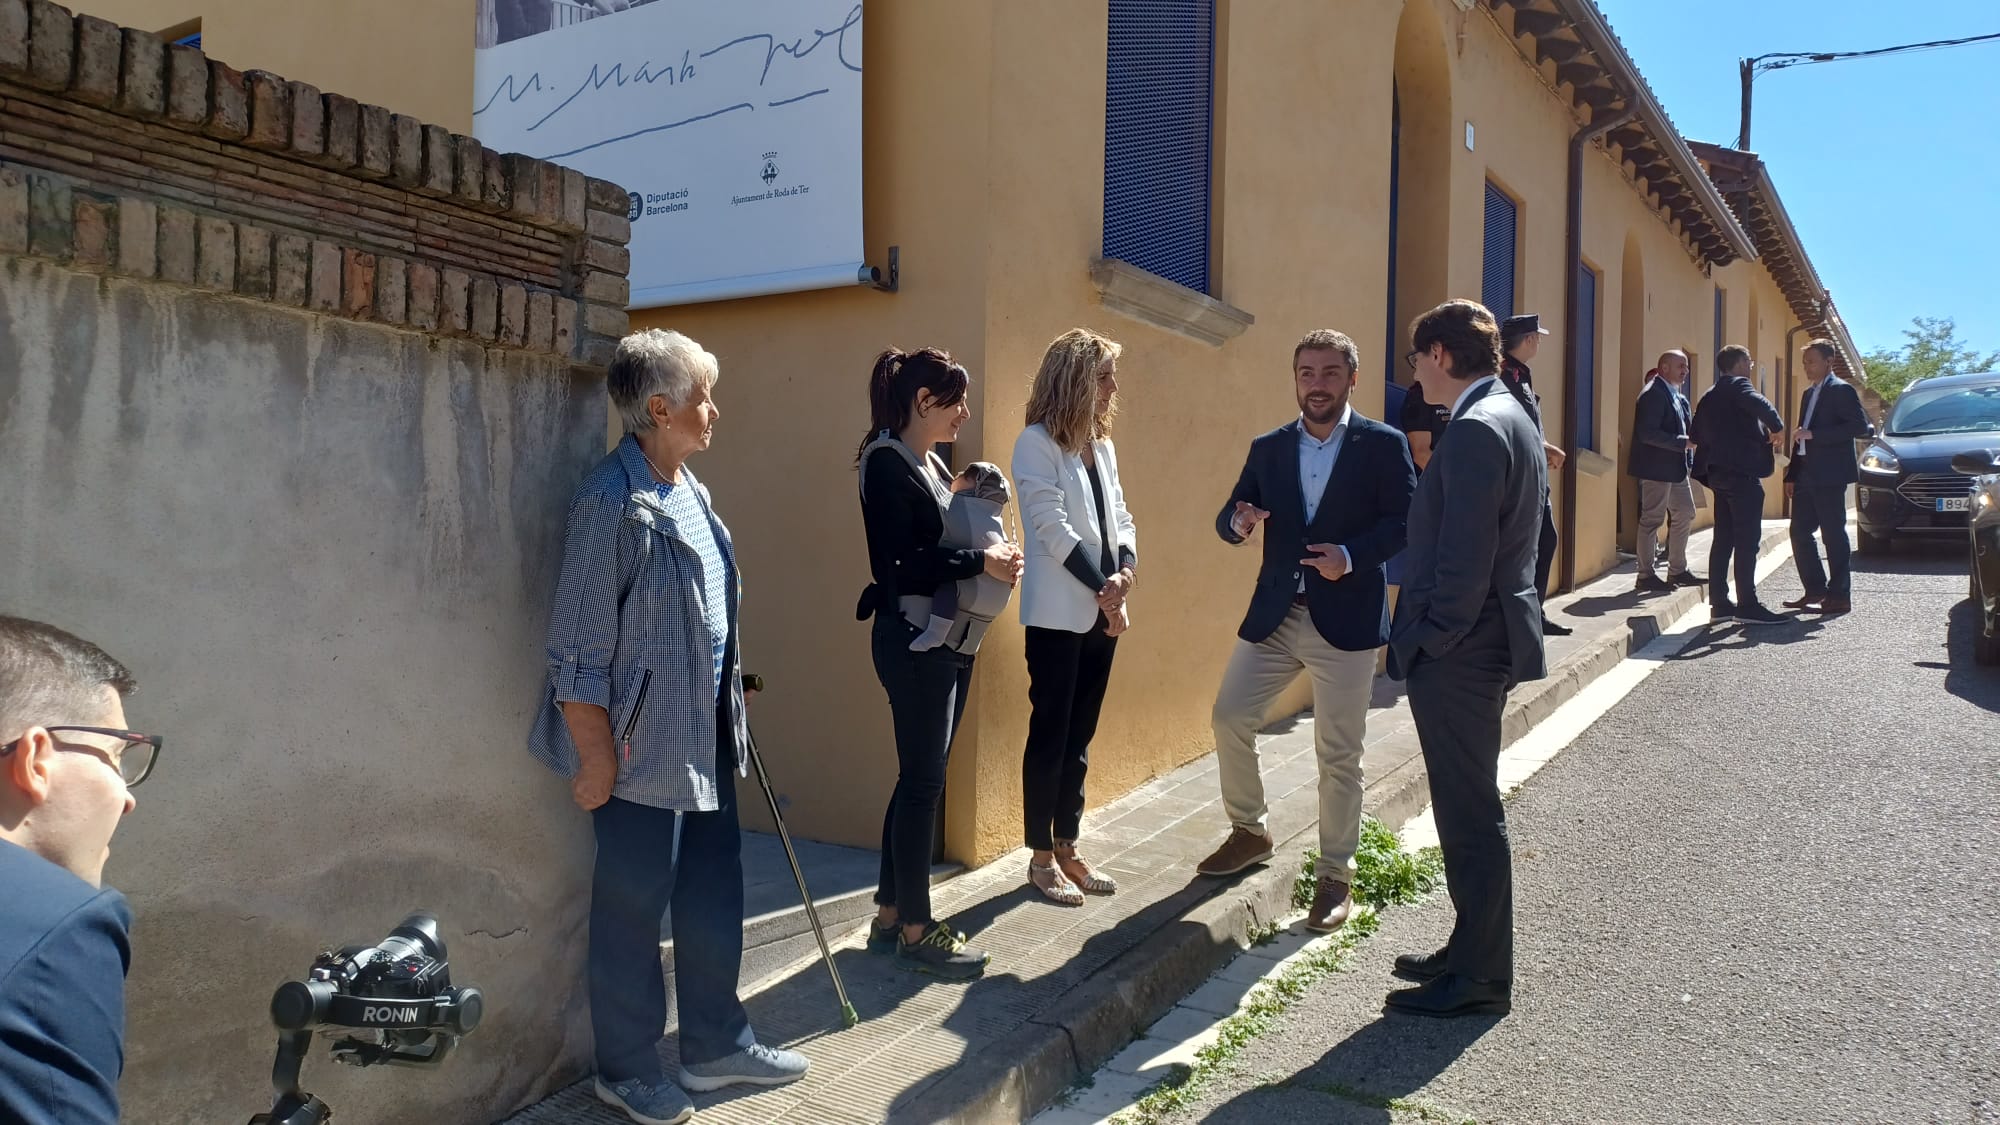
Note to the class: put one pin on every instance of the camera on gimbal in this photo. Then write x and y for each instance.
(394, 998)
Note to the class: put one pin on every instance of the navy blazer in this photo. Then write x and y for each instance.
(1838, 421)
(1474, 528)
(1365, 508)
(1660, 434)
(64, 952)
(1732, 430)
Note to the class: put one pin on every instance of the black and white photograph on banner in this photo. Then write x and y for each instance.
(503, 21)
(734, 127)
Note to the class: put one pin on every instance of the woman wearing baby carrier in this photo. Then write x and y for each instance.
(916, 400)
(1081, 553)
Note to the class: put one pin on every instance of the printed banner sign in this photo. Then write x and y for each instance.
(735, 125)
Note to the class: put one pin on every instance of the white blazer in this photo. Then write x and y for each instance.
(1060, 512)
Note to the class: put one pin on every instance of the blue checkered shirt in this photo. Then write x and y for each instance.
(638, 610)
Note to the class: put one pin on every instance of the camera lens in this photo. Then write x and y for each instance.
(418, 935)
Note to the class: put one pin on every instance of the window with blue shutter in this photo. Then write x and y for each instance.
(1158, 110)
(1496, 289)
(1586, 357)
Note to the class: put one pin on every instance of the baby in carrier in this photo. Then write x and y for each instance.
(979, 497)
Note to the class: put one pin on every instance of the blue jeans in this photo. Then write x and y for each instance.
(637, 873)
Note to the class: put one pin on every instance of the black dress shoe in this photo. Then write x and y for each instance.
(1686, 578)
(1452, 995)
(1551, 629)
(1652, 584)
(1420, 966)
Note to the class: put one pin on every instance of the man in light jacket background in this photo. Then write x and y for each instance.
(1661, 458)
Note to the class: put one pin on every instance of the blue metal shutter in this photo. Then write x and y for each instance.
(1158, 108)
(1496, 289)
(1586, 357)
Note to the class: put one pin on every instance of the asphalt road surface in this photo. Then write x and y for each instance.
(1762, 888)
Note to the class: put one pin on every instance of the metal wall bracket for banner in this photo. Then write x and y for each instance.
(895, 280)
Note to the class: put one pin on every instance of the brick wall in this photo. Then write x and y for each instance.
(122, 154)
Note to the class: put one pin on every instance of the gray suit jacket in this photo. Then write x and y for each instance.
(1472, 537)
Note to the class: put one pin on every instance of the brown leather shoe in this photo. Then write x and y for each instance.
(1836, 605)
(1809, 601)
(1242, 849)
(1332, 903)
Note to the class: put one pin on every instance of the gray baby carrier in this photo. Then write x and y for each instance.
(973, 522)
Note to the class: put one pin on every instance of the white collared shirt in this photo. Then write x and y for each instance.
(1316, 460)
(1806, 417)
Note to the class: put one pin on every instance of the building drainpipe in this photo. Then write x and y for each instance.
(1573, 254)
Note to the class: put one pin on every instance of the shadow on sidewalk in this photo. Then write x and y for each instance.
(1732, 635)
(1370, 1071)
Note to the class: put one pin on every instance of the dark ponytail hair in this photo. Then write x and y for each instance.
(895, 380)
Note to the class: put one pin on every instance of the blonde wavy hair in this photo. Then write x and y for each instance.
(1064, 397)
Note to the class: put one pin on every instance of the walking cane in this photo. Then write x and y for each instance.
(755, 683)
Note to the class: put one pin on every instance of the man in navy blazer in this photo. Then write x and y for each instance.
(66, 772)
(1332, 491)
(1467, 629)
(1660, 460)
(1736, 432)
(1831, 420)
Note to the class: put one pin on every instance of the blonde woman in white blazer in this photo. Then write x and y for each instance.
(1081, 553)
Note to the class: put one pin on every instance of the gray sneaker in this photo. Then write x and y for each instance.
(755, 1065)
(942, 953)
(648, 1104)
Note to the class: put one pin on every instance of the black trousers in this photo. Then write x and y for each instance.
(926, 701)
(1821, 508)
(1545, 549)
(1739, 524)
(1067, 675)
(1457, 700)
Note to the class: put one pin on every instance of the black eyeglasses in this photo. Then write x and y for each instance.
(1411, 358)
(133, 757)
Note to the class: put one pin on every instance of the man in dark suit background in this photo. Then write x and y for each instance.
(1332, 491)
(1467, 629)
(1736, 432)
(1831, 420)
(1660, 460)
(65, 775)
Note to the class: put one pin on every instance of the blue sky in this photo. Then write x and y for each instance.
(1889, 167)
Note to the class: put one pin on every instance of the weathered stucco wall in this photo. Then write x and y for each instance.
(293, 392)
(326, 549)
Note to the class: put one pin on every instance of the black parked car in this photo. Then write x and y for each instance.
(1982, 466)
(1908, 486)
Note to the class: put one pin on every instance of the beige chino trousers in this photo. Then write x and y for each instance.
(1342, 685)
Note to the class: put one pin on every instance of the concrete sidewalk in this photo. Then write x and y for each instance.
(1069, 987)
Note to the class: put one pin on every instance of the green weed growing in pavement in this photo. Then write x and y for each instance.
(1184, 1085)
(1384, 874)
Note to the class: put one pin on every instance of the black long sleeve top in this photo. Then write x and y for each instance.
(904, 527)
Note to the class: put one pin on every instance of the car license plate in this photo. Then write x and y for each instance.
(1954, 503)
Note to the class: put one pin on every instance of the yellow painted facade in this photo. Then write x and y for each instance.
(984, 160)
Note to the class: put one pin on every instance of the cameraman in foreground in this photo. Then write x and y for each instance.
(66, 774)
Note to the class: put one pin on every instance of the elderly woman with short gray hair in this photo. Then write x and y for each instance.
(643, 712)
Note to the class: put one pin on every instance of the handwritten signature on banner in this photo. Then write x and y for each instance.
(647, 73)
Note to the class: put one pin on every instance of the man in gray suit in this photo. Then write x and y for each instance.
(1467, 629)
